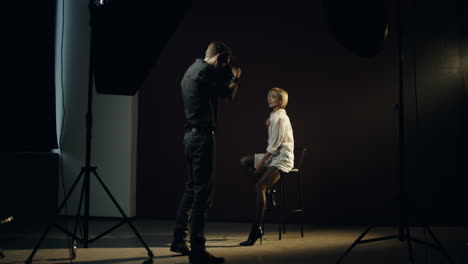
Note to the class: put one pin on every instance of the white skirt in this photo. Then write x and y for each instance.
(283, 161)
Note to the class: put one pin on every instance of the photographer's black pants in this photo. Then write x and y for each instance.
(197, 198)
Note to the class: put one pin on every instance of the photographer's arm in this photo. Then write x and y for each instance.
(234, 82)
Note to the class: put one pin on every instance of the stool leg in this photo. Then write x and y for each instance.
(279, 228)
(302, 223)
(281, 208)
(283, 198)
(301, 203)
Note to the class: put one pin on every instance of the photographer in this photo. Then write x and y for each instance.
(203, 83)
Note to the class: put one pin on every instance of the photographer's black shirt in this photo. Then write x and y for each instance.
(202, 84)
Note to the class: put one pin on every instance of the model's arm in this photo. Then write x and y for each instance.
(276, 137)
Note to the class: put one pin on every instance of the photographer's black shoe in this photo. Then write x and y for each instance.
(204, 257)
(180, 247)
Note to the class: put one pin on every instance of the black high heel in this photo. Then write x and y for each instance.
(256, 232)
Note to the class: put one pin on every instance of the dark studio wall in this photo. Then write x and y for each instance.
(29, 115)
(434, 47)
(29, 175)
(341, 107)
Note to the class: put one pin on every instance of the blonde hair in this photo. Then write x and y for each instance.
(282, 94)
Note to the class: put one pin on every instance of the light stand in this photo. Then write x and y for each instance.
(87, 171)
(403, 228)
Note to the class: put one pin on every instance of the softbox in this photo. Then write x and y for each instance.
(127, 37)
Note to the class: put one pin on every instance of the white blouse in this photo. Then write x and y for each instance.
(281, 141)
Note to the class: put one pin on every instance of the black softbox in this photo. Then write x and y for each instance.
(126, 39)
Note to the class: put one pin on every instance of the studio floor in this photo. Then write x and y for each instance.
(320, 244)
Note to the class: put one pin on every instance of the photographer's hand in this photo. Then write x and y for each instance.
(236, 72)
(234, 83)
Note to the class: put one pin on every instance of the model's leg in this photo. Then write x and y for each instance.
(268, 179)
(270, 176)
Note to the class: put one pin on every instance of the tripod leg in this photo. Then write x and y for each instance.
(77, 220)
(355, 243)
(29, 260)
(401, 232)
(441, 248)
(86, 183)
(410, 248)
(150, 253)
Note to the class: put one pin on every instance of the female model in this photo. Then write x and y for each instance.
(278, 158)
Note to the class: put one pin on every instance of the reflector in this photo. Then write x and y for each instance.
(360, 26)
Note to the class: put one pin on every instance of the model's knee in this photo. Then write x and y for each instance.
(243, 161)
